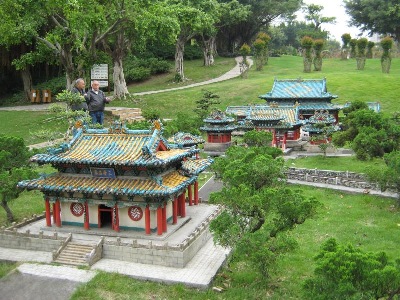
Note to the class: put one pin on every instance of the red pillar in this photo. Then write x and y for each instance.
(284, 141)
(175, 211)
(159, 221)
(116, 218)
(183, 205)
(147, 220)
(190, 195)
(196, 192)
(274, 143)
(48, 216)
(54, 213)
(164, 218)
(86, 217)
(58, 213)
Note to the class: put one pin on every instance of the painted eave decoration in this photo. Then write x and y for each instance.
(168, 184)
(298, 89)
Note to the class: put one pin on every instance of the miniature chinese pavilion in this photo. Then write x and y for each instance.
(184, 140)
(126, 179)
(282, 122)
(320, 126)
(218, 127)
(309, 95)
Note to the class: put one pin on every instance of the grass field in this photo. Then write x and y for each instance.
(368, 222)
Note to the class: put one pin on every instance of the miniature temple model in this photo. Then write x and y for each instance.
(125, 179)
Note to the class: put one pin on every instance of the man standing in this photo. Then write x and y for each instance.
(96, 100)
(80, 89)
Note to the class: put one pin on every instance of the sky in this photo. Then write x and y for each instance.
(335, 8)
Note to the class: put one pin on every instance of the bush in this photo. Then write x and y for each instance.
(55, 85)
(137, 74)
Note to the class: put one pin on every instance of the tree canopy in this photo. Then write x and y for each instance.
(258, 206)
(14, 167)
(375, 16)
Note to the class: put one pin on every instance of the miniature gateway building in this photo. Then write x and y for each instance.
(126, 179)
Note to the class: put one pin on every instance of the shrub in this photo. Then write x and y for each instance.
(137, 74)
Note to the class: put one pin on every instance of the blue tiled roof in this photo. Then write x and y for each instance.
(298, 89)
(129, 148)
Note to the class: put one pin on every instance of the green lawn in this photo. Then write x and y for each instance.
(346, 163)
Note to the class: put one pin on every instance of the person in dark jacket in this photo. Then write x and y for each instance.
(80, 89)
(96, 100)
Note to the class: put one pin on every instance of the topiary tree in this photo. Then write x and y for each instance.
(386, 59)
(361, 47)
(258, 47)
(266, 39)
(353, 48)
(346, 37)
(307, 44)
(245, 51)
(318, 47)
(370, 46)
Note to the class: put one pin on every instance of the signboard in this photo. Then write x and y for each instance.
(103, 172)
(100, 73)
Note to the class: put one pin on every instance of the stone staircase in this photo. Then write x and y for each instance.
(128, 115)
(74, 254)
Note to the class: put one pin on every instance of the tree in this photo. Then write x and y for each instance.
(262, 14)
(260, 46)
(193, 17)
(318, 47)
(353, 48)
(226, 14)
(14, 167)
(307, 44)
(375, 16)
(258, 206)
(203, 105)
(346, 272)
(245, 51)
(346, 38)
(389, 176)
(371, 134)
(370, 47)
(361, 55)
(313, 14)
(386, 59)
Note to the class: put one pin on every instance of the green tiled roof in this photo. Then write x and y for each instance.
(298, 89)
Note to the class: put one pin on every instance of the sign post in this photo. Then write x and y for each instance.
(100, 73)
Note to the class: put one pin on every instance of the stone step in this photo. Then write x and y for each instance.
(74, 254)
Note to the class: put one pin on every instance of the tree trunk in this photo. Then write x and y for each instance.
(360, 63)
(317, 63)
(385, 63)
(27, 81)
(209, 50)
(179, 51)
(118, 53)
(120, 88)
(66, 61)
(344, 54)
(307, 61)
(10, 215)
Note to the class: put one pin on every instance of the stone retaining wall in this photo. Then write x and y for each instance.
(161, 254)
(343, 178)
(29, 241)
